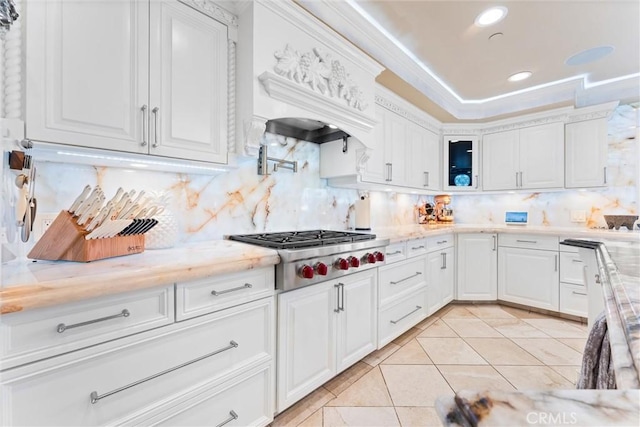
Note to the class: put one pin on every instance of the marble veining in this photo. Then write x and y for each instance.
(548, 407)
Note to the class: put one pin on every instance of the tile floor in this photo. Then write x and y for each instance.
(460, 347)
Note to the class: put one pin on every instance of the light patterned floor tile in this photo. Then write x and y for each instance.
(575, 343)
(304, 408)
(458, 312)
(523, 314)
(378, 356)
(471, 328)
(476, 377)
(413, 416)
(515, 328)
(340, 383)
(369, 417)
(571, 373)
(411, 353)
(501, 351)
(450, 351)
(415, 385)
(550, 351)
(426, 322)
(489, 312)
(370, 390)
(557, 328)
(534, 377)
(407, 336)
(315, 420)
(438, 329)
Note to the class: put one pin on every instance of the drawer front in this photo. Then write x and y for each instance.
(395, 252)
(571, 268)
(216, 293)
(528, 241)
(399, 279)
(244, 401)
(37, 334)
(393, 321)
(416, 247)
(439, 242)
(573, 300)
(137, 375)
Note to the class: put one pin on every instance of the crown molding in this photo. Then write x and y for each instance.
(392, 102)
(346, 20)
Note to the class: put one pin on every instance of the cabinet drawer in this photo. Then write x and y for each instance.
(398, 318)
(135, 376)
(439, 242)
(400, 278)
(395, 252)
(416, 247)
(216, 293)
(528, 241)
(243, 401)
(573, 300)
(571, 268)
(37, 334)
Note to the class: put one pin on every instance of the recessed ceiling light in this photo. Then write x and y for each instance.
(491, 16)
(520, 76)
(589, 55)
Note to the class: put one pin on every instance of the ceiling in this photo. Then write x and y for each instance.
(438, 59)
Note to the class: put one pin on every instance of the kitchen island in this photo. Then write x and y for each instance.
(619, 265)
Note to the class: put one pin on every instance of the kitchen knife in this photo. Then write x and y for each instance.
(76, 203)
(152, 223)
(119, 194)
(100, 217)
(86, 202)
(91, 210)
(126, 231)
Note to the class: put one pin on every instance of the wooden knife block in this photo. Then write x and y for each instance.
(64, 240)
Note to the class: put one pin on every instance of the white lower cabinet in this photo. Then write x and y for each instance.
(573, 291)
(528, 277)
(440, 278)
(322, 330)
(477, 266)
(401, 315)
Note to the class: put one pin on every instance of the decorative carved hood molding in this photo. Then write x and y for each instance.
(291, 66)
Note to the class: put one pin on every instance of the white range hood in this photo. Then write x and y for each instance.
(295, 74)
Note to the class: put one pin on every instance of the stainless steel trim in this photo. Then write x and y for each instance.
(232, 416)
(95, 397)
(337, 288)
(226, 291)
(415, 248)
(578, 293)
(526, 241)
(62, 327)
(289, 255)
(155, 127)
(145, 124)
(406, 315)
(495, 243)
(418, 273)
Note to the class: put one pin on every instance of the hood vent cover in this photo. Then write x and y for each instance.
(305, 129)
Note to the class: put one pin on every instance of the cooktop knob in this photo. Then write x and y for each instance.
(342, 264)
(379, 256)
(369, 258)
(306, 272)
(321, 268)
(355, 262)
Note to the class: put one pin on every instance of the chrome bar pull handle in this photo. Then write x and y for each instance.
(576, 260)
(477, 182)
(578, 293)
(95, 397)
(337, 287)
(62, 327)
(555, 268)
(495, 241)
(155, 112)
(406, 315)
(418, 273)
(342, 296)
(393, 253)
(415, 248)
(226, 291)
(232, 416)
(516, 179)
(388, 171)
(426, 179)
(605, 174)
(527, 241)
(443, 265)
(145, 124)
(445, 260)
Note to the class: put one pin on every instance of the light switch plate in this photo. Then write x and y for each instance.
(578, 216)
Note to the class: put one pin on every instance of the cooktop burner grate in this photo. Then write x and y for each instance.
(301, 239)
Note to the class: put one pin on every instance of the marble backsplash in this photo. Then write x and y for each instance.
(208, 207)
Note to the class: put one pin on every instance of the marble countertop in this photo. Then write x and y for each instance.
(544, 407)
(27, 284)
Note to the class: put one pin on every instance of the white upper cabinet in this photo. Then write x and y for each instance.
(460, 163)
(528, 158)
(586, 154)
(136, 76)
(423, 160)
(375, 169)
(395, 149)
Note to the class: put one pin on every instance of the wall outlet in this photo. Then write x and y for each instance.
(42, 223)
(578, 216)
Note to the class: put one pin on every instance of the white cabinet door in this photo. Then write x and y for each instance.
(586, 154)
(430, 160)
(375, 169)
(447, 276)
(417, 166)
(306, 341)
(396, 148)
(358, 319)
(529, 277)
(542, 156)
(500, 154)
(188, 81)
(477, 267)
(87, 70)
(440, 279)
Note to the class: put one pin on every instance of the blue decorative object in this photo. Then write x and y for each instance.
(462, 180)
